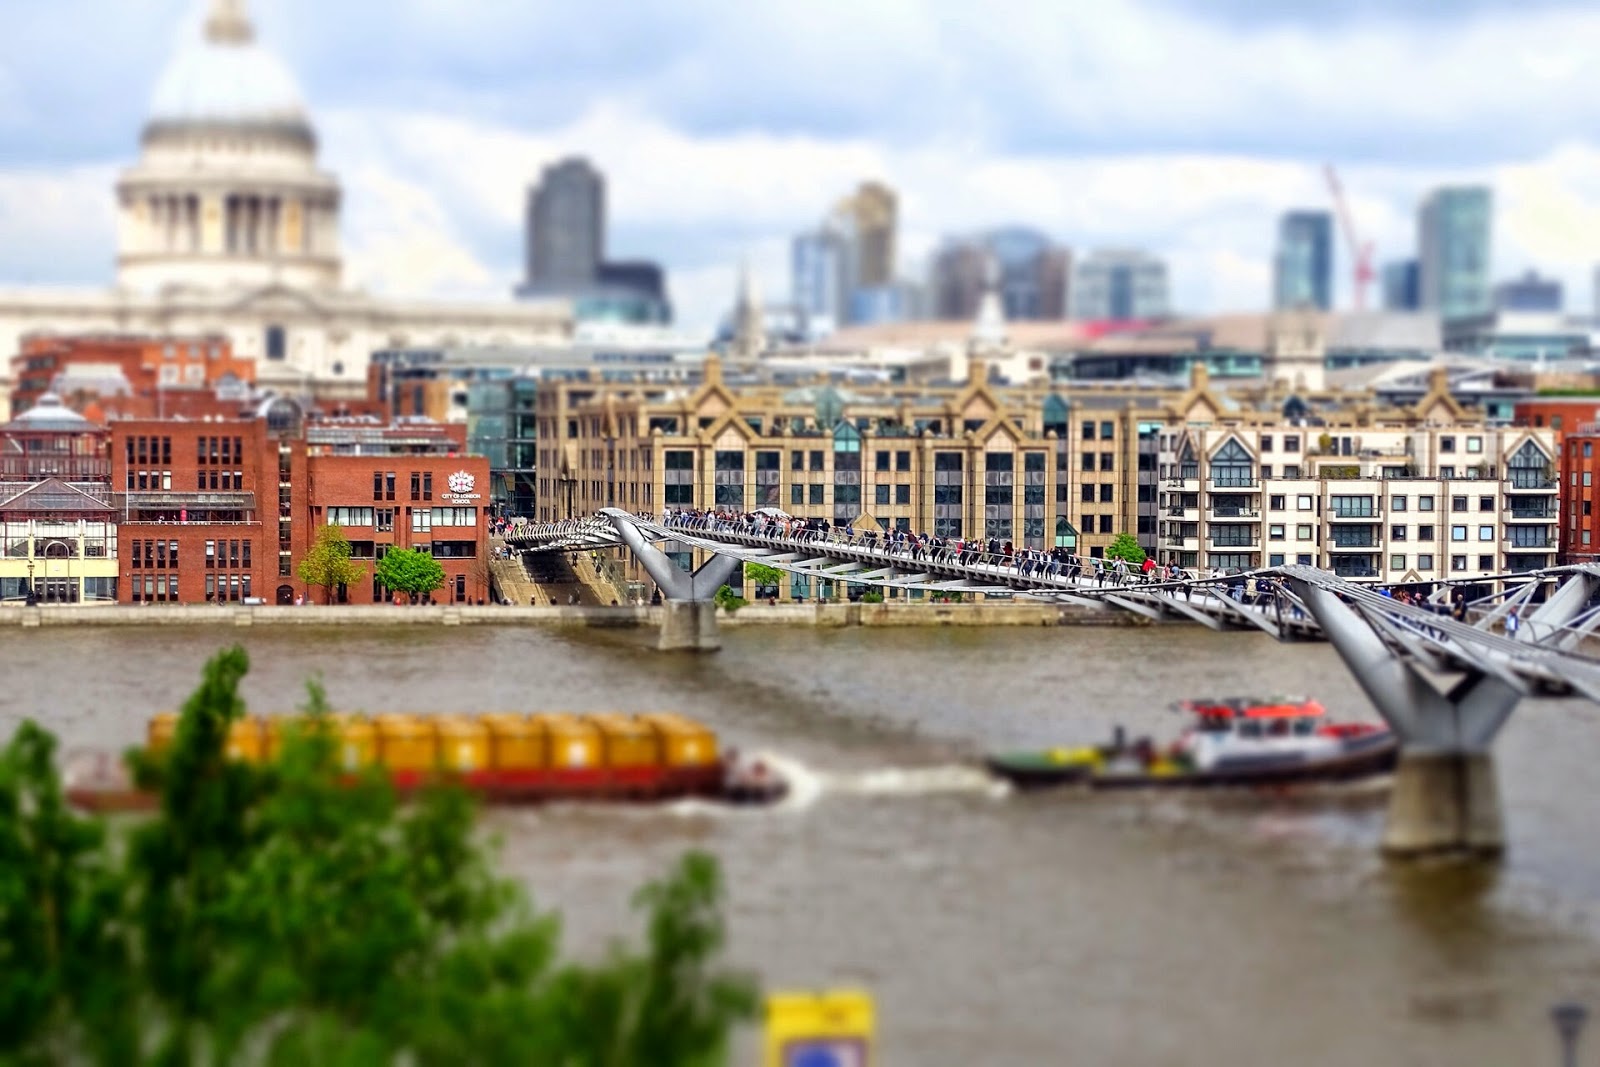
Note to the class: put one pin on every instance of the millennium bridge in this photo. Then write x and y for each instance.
(1444, 684)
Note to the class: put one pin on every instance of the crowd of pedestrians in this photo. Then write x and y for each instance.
(1056, 563)
(922, 547)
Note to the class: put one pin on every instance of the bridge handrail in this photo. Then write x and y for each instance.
(1038, 566)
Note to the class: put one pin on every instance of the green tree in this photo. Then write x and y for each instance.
(763, 576)
(726, 599)
(327, 563)
(410, 571)
(1124, 546)
(279, 915)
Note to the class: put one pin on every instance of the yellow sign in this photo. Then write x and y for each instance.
(829, 1029)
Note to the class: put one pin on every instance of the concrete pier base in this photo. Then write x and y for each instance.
(1444, 803)
(689, 626)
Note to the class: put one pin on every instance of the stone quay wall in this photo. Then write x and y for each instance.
(1009, 613)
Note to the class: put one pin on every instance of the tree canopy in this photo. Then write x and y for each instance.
(275, 914)
(327, 562)
(1125, 546)
(410, 571)
(763, 576)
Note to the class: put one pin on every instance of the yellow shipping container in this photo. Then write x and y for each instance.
(355, 739)
(406, 743)
(573, 742)
(463, 743)
(516, 742)
(626, 741)
(684, 742)
(162, 729)
(246, 740)
(358, 741)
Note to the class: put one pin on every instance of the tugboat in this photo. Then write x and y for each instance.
(1232, 741)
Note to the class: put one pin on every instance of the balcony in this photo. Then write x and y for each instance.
(1532, 515)
(1234, 546)
(1534, 482)
(1191, 543)
(1191, 512)
(1373, 516)
(1368, 546)
(1523, 544)
(1229, 511)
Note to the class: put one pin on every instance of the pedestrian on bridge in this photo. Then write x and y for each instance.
(1514, 623)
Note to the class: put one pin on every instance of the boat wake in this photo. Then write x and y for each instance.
(807, 785)
(916, 782)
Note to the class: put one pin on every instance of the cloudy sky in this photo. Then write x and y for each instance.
(1183, 126)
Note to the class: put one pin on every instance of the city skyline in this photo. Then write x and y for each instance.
(435, 152)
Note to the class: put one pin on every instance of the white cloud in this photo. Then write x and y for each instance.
(712, 199)
(723, 130)
(56, 227)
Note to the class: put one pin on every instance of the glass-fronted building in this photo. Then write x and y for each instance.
(1303, 267)
(1453, 242)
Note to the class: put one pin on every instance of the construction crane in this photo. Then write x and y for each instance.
(1360, 252)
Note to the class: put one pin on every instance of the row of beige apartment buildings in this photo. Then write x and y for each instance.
(1202, 477)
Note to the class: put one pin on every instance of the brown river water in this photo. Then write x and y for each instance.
(992, 928)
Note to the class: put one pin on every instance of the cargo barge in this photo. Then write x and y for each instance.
(500, 758)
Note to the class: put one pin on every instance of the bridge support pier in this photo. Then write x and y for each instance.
(1444, 803)
(689, 626)
(1446, 799)
(688, 615)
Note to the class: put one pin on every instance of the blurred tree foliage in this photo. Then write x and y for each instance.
(273, 914)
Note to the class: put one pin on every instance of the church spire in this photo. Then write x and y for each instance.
(749, 334)
(228, 22)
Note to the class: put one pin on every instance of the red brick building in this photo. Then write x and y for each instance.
(129, 376)
(1580, 471)
(1574, 419)
(224, 509)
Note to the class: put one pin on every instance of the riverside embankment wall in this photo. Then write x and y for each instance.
(889, 614)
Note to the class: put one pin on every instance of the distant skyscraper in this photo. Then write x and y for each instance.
(566, 247)
(1528, 293)
(566, 228)
(1303, 267)
(852, 252)
(1119, 284)
(817, 275)
(870, 220)
(1031, 281)
(1453, 246)
(1400, 286)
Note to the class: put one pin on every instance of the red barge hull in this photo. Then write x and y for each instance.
(607, 784)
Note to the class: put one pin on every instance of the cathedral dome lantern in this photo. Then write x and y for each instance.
(227, 192)
(223, 77)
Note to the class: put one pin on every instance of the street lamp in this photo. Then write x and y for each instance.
(33, 598)
(1569, 1019)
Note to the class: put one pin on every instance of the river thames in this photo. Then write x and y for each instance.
(992, 928)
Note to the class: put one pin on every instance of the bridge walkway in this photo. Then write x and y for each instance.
(863, 558)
